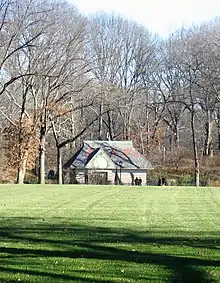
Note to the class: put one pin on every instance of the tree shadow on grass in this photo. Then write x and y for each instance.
(85, 242)
(56, 276)
(184, 268)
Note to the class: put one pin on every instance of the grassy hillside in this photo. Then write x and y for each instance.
(109, 234)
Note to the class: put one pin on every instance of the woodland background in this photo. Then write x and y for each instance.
(65, 78)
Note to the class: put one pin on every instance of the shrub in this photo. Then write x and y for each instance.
(186, 180)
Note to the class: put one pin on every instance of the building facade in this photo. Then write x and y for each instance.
(107, 162)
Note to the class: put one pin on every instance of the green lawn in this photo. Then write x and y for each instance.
(109, 234)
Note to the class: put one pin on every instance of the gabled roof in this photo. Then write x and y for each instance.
(121, 153)
(97, 161)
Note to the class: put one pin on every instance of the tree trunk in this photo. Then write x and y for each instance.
(195, 150)
(100, 120)
(142, 143)
(126, 135)
(110, 128)
(218, 126)
(73, 144)
(21, 172)
(42, 156)
(20, 176)
(219, 139)
(208, 139)
(147, 129)
(22, 169)
(177, 136)
(23, 156)
(59, 165)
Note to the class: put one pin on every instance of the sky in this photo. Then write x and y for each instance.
(159, 16)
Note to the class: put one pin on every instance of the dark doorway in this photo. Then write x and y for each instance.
(98, 178)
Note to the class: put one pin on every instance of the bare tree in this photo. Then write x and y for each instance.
(51, 70)
(15, 18)
(61, 142)
(60, 65)
(120, 49)
(21, 30)
(188, 64)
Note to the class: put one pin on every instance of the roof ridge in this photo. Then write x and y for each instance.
(107, 141)
(116, 150)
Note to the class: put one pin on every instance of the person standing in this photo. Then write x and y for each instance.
(136, 181)
(140, 182)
